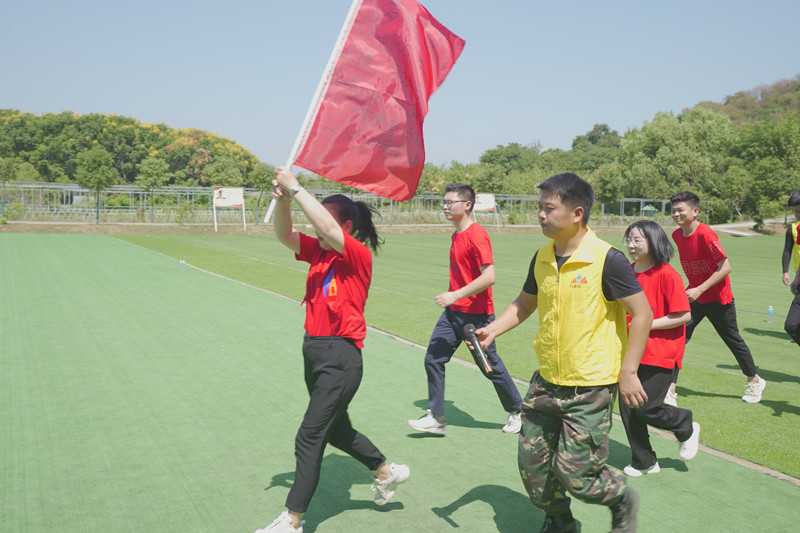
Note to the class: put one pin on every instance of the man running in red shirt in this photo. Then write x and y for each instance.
(468, 301)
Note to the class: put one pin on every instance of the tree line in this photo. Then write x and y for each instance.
(97, 149)
(743, 155)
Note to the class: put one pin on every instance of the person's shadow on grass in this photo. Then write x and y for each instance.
(769, 333)
(769, 375)
(779, 407)
(340, 476)
(513, 511)
(455, 417)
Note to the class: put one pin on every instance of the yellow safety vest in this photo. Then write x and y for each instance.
(796, 247)
(582, 336)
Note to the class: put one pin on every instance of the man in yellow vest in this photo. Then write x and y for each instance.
(791, 251)
(582, 287)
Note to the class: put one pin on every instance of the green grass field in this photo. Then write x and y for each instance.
(411, 269)
(138, 397)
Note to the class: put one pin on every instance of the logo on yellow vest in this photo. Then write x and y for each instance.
(579, 280)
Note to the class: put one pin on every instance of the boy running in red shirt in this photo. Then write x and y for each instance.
(707, 267)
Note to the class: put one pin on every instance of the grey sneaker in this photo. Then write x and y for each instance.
(384, 490)
(282, 524)
(754, 390)
(514, 423)
(623, 513)
(429, 423)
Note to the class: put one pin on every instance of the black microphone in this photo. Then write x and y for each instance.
(477, 350)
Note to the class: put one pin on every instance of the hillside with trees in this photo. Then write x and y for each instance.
(743, 155)
(47, 147)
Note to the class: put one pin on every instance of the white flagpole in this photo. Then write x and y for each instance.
(324, 82)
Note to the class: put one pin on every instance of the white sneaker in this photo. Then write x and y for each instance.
(514, 423)
(754, 390)
(429, 423)
(688, 448)
(384, 490)
(633, 472)
(282, 524)
(671, 398)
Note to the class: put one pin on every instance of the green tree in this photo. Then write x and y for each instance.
(223, 171)
(608, 183)
(261, 177)
(96, 171)
(672, 153)
(513, 157)
(8, 169)
(27, 172)
(153, 173)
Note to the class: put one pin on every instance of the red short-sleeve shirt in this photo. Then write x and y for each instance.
(336, 288)
(700, 254)
(663, 287)
(469, 251)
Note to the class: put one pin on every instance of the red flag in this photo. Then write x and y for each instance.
(366, 129)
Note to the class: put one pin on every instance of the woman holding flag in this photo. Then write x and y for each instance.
(336, 291)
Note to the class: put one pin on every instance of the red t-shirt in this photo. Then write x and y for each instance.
(470, 250)
(663, 287)
(700, 253)
(336, 288)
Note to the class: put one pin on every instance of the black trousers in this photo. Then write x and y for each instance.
(333, 373)
(655, 381)
(723, 318)
(792, 324)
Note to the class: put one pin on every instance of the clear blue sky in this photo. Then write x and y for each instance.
(531, 70)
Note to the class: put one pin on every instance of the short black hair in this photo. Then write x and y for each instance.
(687, 197)
(571, 190)
(658, 243)
(794, 199)
(464, 192)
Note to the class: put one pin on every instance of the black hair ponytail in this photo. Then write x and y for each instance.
(365, 228)
(360, 214)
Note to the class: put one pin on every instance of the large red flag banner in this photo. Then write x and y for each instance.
(365, 127)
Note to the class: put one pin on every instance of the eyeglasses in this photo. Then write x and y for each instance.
(448, 203)
(636, 241)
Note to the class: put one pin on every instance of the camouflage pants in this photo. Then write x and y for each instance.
(563, 445)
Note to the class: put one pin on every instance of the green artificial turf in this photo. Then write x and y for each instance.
(138, 397)
(411, 269)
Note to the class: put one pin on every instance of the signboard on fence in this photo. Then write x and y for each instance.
(228, 197)
(484, 201)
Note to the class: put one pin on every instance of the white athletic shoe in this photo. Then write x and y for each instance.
(633, 472)
(384, 490)
(429, 423)
(688, 448)
(754, 390)
(282, 524)
(514, 423)
(671, 399)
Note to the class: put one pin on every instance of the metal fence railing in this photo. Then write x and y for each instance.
(55, 202)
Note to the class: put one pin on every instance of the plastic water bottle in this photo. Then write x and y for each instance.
(770, 314)
(182, 266)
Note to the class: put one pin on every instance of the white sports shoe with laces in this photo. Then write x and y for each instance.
(384, 490)
(754, 390)
(282, 524)
(514, 424)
